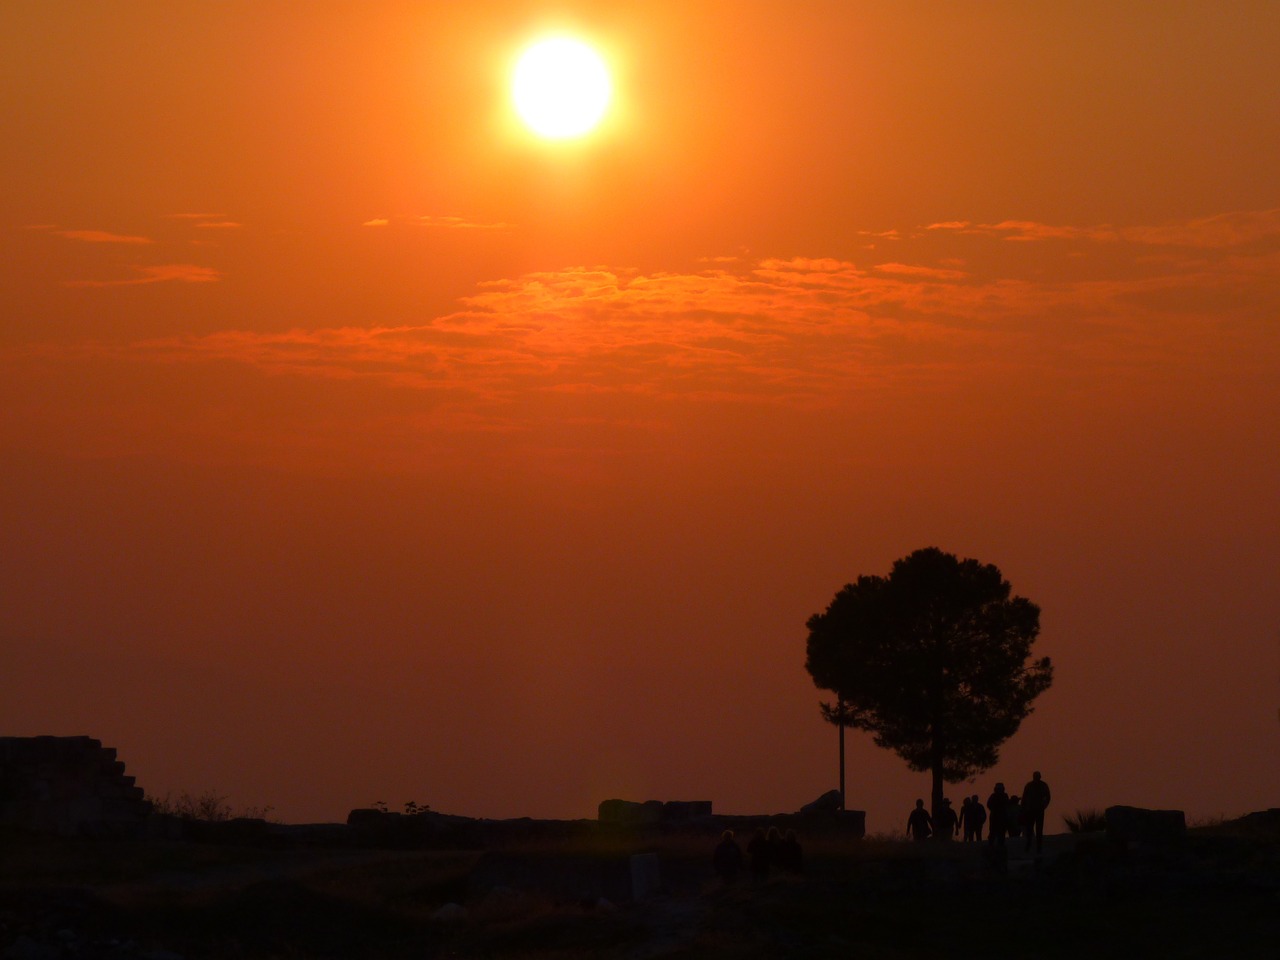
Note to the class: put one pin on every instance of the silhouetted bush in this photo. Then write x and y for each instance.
(1085, 821)
(207, 807)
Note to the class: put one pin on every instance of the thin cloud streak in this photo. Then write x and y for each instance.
(101, 236)
(437, 223)
(1216, 232)
(915, 270)
(172, 272)
(459, 223)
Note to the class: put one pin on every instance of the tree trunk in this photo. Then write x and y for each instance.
(936, 800)
(842, 760)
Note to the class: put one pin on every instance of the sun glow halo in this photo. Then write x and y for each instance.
(561, 88)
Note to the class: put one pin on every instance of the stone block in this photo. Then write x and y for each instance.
(64, 784)
(854, 822)
(829, 803)
(365, 816)
(629, 811)
(681, 811)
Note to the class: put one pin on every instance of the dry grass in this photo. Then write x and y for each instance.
(209, 806)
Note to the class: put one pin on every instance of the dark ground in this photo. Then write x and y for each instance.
(1215, 894)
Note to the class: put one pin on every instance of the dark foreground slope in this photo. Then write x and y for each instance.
(1216, 894)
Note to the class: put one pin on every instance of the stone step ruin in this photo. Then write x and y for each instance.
(69, 786)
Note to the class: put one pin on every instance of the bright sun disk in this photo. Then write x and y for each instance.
(561, 88)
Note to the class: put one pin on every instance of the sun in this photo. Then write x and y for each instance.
(561, 88)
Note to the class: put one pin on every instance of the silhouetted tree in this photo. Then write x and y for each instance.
(932, 661)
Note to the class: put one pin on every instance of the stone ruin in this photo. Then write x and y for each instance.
(69, 786)
(661, 813)
(653, 811)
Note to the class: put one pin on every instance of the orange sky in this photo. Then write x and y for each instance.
(356, 445)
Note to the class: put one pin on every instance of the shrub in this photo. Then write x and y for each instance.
(209, 807)
(1086, 821)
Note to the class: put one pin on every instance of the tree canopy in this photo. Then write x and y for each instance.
(934, 661)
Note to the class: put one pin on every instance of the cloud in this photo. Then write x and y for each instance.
(1216, 232)
(458, 223)
(436, 223)
(1027, 230)
(101, 236)
(794, 332)
(802, 332)
(797, 331)
(1223, 230)
(929, 273)
(173, 272)
(219, 225)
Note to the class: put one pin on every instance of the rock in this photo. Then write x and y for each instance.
(1145, 826)
(854, 822)
(630, 812)
(653, 811)
(828, 803)
(450, 913)
(828, 806)
(366, 815)
(679, 811)
(1265, 822)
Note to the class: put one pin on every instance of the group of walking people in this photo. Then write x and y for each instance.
(1003, 815)
(766, 851)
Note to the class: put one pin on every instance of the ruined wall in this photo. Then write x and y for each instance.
(653, 811)
(67, 785)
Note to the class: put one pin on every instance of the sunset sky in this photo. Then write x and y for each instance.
(358, 444)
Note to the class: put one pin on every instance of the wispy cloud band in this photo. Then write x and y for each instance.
(795, 332)
(162, 273)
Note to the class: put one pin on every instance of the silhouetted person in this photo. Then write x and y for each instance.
(1013, 816)
(966, 823)
(1035, 801)
(728, 857)
(758, 854)
(947, 825)
(996, 809)
(919, 823)
(978, 817)
(773, 845)
(790, 854)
